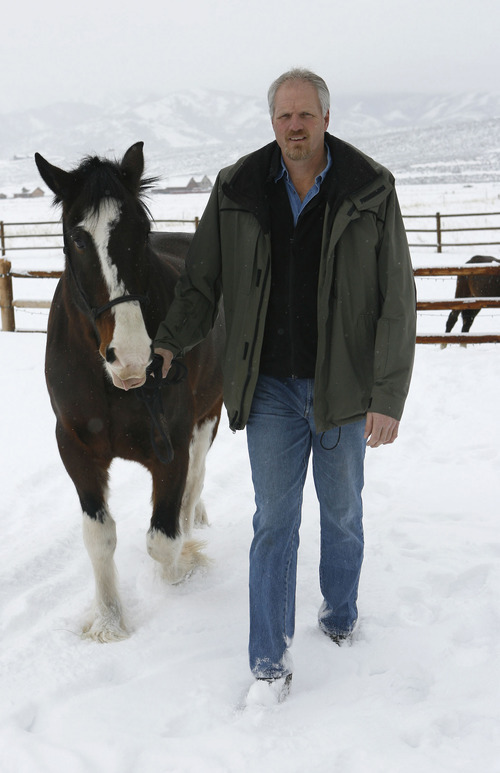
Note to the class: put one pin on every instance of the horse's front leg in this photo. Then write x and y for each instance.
(193, 512)
(106, 622)
(169, 538)
(89, 473)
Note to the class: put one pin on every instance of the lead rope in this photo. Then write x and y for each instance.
(150, 394)
(330, 448)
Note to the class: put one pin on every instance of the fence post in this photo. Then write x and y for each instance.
(196, 223)
(2, 238)
(6, 297)
(438, 232)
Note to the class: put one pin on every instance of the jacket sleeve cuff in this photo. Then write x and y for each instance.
(166, 343)
(387, 405)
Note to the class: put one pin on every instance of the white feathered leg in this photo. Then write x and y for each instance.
(193, 511)
(106, 623)
(178, 557)
(181, 555)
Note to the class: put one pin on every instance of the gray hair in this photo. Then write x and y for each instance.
(298, 74)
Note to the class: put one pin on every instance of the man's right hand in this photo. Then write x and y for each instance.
(167, 356)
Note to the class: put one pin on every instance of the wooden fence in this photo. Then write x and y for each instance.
(459, 303)
(8, 304)
(438, 229)
(12, 238)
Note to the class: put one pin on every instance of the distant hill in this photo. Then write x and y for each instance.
(420, 137)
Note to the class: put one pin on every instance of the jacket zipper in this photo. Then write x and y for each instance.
(290, 298)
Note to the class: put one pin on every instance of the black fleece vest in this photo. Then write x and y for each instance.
(291, 331)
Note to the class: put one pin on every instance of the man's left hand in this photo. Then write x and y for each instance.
(380, 430)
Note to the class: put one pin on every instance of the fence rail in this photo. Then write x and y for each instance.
(460, 338)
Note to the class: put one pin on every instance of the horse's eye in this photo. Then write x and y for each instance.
(79, 243)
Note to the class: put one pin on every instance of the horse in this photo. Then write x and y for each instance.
(473, 286)
(117, 285)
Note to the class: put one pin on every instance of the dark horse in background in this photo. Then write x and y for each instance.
(473, 286)
(117, 285)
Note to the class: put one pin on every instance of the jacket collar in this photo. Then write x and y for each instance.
(353, 176)
(247, 187)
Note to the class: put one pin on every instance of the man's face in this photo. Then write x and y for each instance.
(298, 121)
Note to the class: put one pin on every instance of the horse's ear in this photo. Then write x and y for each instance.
(132, 166)
(57, 179)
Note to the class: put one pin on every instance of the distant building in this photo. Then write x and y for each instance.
(25, 194)
(204, 186)
(3, 196)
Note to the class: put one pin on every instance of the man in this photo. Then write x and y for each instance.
(304, 239)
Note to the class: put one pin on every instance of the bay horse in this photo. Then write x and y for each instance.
(116, 287)
(473, 286)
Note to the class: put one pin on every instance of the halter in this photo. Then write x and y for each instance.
(143, 300)
(93, 311)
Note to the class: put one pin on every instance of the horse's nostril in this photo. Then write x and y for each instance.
(110, 354)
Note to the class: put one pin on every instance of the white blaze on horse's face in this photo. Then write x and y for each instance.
(130, 341)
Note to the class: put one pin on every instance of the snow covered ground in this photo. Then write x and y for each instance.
(419, 689)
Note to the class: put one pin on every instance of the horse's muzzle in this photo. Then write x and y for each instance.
(128, 383)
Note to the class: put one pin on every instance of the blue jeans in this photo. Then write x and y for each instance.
(280, 435)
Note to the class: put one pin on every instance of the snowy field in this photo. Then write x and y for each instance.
(417, 692)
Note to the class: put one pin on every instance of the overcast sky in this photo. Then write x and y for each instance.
(52, 50)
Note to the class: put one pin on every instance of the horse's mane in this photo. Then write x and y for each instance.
(97, 178)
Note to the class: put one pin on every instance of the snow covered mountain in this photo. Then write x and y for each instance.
(380, 112)
(191, 121)
(199, 131)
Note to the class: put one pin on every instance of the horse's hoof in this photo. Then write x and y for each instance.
(104, 635)
(178, 557)
(190, 559)
(105, 628)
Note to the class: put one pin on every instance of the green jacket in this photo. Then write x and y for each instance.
(366, 292)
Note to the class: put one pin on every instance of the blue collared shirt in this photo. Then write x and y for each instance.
(296, 204)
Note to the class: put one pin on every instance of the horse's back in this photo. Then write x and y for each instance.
(205, 359)
(171, 246)
(483, 259)
(482, 286)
